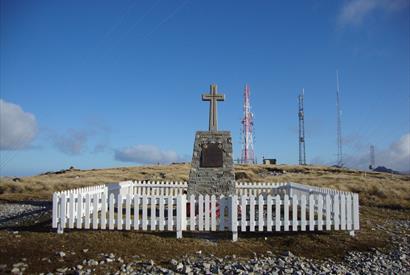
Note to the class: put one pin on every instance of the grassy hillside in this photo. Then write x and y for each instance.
(375, 189)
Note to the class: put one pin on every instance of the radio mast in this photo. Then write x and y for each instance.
(302, 153)
(339, 124)
(372, 158)
(248, 154)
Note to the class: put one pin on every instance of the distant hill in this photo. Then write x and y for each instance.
(383, 169)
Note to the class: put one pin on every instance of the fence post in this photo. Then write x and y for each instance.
(269, 212)
(200, 212)
(71, 208)
(356, 224)
(260, 212)
(192, 212)
(61, 223)
(55, 209)
(233, 217)
(294, 212)
(207, 212)
(278, 203)
(181, 215)
(286, 213)
(179, 210)
(95, 211)
(213, 213)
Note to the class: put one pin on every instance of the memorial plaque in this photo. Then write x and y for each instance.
(211, 155)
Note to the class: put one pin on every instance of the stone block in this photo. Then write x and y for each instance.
(212, 164)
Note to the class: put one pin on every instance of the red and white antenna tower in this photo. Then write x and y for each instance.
(248, 155)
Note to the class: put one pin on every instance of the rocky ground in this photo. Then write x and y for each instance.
(395, 260)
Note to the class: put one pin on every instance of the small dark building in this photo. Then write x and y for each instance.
(269, 161)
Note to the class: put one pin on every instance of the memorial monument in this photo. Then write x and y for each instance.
(212, 163)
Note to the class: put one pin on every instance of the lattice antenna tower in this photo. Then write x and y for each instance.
(248, 154)
(372, 158)
(302, 152)
(339, 124)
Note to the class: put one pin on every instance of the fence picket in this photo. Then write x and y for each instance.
(119, 212)
(336, 217)
(222, 205)
(328, 212)
(349, 212)
(311, 212)
(111, 213)
(128, 212)
(213, 213)
(294, 212)
(79, 211)
(233, 223)
(63, 212)
(71, 204)
(252, 213)
(161, 212)
(342, 212)
(356, 225)
(303, 213)
(286, 213)
(200, 212)
(319, 212)
(153, 212)
(207, 225)
(277, 213)
(170, 216)
(260, 213)
(144, 212)
(95, 211)
(192, 212)
(269, 213)
(180, 215)
(87, 212)
(136, 212)
(55, 209)
(103, 211)
(243, 213)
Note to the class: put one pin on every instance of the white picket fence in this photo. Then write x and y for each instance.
(258, 207)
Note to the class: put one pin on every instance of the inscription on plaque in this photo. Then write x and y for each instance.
(211, 155)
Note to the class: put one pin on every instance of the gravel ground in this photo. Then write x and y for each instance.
(13, 214)
(374, 262)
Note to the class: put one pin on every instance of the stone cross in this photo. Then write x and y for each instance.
(213, 97)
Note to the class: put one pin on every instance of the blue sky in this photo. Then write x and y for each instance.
(95, 84)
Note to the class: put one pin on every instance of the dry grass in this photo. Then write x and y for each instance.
(375, 189)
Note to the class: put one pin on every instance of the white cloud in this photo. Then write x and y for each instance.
(76, 141)
(73, 142)
(145, 154)
(354, 12)
(17, 128)
(396, 156)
